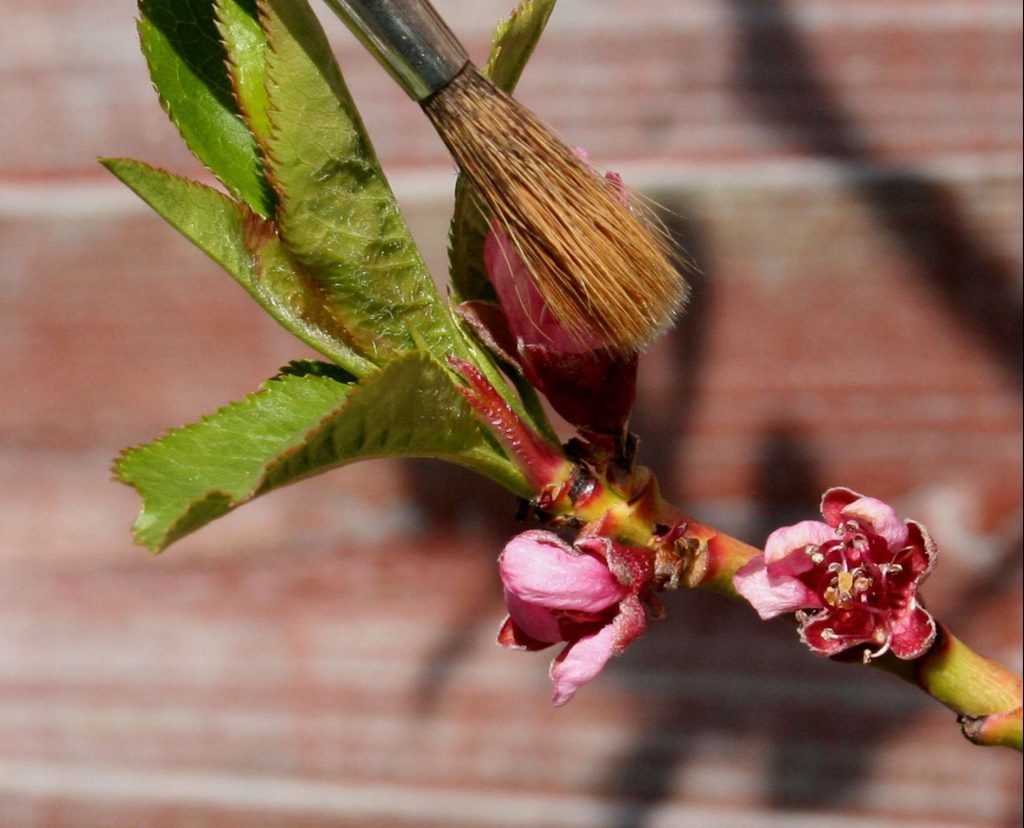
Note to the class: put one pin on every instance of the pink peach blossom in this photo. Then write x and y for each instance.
(587, 595)
(851, 580)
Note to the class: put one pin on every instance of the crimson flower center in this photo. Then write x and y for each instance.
(857, 578)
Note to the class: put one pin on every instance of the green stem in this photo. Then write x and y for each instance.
(950, 667)
(985, 695)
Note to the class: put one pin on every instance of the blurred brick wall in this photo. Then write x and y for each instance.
(848, 176)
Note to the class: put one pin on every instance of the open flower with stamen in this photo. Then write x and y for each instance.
(587, 595)
(851, 580)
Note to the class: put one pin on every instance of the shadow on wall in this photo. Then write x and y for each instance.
(777, 76)
(453, 501)
(663, 429)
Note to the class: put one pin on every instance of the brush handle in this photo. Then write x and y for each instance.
(408, 38)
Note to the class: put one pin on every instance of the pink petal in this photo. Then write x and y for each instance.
(614, 181)
(925, 555)
(528, 315)
(793, 540)
(617, 188)
(540, 569)
(580, 662)
(913, 633)
(834, 501)
(519, 298)
(771, 596)
(529, 625)
(881, 517)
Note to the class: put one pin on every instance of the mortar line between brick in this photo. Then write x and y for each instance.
(31, 199)
(350, 800)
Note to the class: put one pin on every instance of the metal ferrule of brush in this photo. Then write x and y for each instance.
(409, 39)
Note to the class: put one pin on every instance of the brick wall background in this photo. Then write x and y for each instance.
(848, 175)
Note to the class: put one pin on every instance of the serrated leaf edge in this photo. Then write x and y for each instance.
(246, 215)
(371, 347)
(118, 473)
(244, 113)
(173, 118)
(332, 342)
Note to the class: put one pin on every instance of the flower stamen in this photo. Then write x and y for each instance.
(881, 651)
(857, 588)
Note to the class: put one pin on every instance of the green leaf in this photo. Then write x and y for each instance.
(514, 41)
(187, 64)
(337, 214)
(206, 217)
(411, 409)
(198, 473)
(245, 46)
(301, 423)
(248, 248)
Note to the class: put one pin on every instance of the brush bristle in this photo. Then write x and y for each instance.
(603, 268)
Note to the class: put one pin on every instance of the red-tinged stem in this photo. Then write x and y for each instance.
(639, 515)
(996, 729)
(714, 557)
(542, 464)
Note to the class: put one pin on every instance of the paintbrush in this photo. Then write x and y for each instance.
(603, 266)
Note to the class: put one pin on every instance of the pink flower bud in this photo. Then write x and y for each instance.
(586, 383)
(587, 595)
